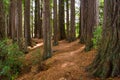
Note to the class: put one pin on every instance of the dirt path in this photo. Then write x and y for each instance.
(68, 63)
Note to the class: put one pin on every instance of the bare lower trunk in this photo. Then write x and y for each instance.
(19, 27)
(88, 22)
(12, 19)
(2, 21)
(72, 21)
(55, 23)
(46, 30)
(27, 23)
(61, 20)
(107, 62)
(67, 21)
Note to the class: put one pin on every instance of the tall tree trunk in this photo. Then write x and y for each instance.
(27, 23)
(12, 19)
(55, 26)
(38, 26)
(36, 19)
(19, 29)
(67, 20)
(2, 20)
(61, 20)
(39, 19)
(41, 13)
(32, 31)
(107, 62)
(83, 20)
(72, 21)
(80, 22)
(46, 30)
(88, 22)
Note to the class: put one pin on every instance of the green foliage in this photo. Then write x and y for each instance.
(6, 6)
(101, 8)
(97, 36)
(11, 59)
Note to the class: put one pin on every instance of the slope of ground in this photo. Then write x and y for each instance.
(68, 63)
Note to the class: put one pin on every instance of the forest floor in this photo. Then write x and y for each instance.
(68, 63)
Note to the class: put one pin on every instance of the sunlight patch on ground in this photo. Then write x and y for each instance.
(67, 64)
(79, 50)
(36, 46)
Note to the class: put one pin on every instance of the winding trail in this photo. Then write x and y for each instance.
(68, 63)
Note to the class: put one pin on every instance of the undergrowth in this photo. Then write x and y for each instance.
(11, 59)
(97, 36)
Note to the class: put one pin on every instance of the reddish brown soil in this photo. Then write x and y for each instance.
(68, 63)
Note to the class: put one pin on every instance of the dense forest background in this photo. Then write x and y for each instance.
(33, 32)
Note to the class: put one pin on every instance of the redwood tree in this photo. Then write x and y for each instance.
(2, 20)
(12, 15)
(55, 26)
(27, 22)
(88, 21)
(67, 21)
(107, 62)
(72, 21)
(38, 26)
(61, 20)
(19, 27)
(46, 30)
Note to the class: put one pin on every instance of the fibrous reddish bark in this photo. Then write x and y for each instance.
(88, 22)
(46, 30)
(107, 62)
(2, 21)
(61, 20)
(55, 26)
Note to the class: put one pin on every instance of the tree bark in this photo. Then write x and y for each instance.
(107, 62)
(12, 17)
(46, 30)
(88, 22)
(83, 20)
(67, 21)
(80, 22)
(2, 20)
(72, 21)
(38, 26)
(55, 26)
(19, 29)
(61, 20)
(40, 19)
(27, 23)
(36, 19)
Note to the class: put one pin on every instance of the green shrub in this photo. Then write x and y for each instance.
(97, 36)
(11, 59)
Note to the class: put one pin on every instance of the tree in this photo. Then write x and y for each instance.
(46, 30)
(41, 11)
(61, 20)
(2, 20)
(72, 21)
(32, 20)
(67, 21)
(27, 22)
(55, 26)
(88, 22)
(19, 27)
(40, 19)
(12, 16)
(36, 19)
(80, 22)
(38, 26)
(107, 62)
